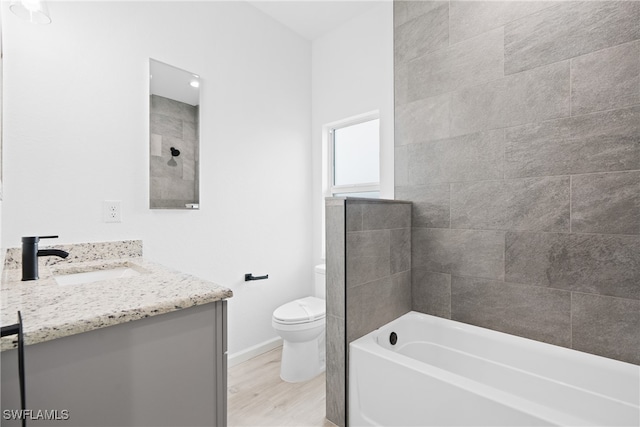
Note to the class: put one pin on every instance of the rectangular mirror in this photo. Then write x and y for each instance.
(174, 100)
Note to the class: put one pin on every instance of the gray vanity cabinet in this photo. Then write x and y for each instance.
(164, 370)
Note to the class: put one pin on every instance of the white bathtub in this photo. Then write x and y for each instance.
(445, 373)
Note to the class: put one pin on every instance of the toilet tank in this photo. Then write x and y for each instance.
(320, 281)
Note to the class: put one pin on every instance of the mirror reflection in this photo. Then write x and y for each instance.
(174, 137)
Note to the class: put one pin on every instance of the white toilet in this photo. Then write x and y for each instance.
(301, 324)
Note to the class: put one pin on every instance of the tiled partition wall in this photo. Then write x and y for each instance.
(518, 140)
(368, 280)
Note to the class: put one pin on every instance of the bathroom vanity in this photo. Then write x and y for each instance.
(112, 339)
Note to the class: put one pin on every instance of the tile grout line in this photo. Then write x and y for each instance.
(515, 126)
(504, 258)
(449, 24)
(504, 154)
(450, 206)
(516, 178)
(570, 87)
(570, 202)
(450, 296)
(570, 319)
(528, 285)
(525, 231)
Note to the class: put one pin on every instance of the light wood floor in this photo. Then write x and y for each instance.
(258, 397)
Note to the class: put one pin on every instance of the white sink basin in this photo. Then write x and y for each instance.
(95, 276)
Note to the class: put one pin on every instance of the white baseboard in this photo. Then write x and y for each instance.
(251, 352)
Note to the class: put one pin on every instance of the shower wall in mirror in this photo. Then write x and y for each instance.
(174, 100)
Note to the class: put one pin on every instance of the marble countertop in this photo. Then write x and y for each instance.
(51, 311)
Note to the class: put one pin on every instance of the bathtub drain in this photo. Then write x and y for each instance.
(393, 338)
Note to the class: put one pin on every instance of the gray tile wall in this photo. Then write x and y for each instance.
(173, 124)
(378, 264)
(368, 281)
(518, 140)
(336, 375)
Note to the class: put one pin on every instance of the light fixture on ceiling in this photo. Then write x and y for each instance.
(34, 11)
(195, 82)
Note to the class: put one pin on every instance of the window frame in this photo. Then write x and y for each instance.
(329, 134)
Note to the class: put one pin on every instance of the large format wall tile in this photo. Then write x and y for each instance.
(364, 215)
(536, 95)
(400, 249)
(466, 158)
(400, 85)
(606, 326)
(374, 304)
(158, 169)
(592, 263)
(335, 257)
(166, 126)
(431, 293)
(520, 134)
(430, 204)
(426, 33)
(401, 165)
(569, 29)
(599, 142)
(404, 11)
(190, 133)
(368, 256)
(470, 18)
(537, 204)
(606, 79)
(378, 216)
(353, 216)
(423, 120)
(336, 302)
(460, 252)
(179, 189)
(472, 61)
(174, 109)
(606, 203)
(336, 385)
(529, 311)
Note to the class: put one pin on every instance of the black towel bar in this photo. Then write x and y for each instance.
(248, 277)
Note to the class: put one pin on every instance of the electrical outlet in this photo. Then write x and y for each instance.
(111, 211)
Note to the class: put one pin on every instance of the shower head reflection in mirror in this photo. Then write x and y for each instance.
(174, 153)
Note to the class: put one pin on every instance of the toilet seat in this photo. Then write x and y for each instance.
(300, 311)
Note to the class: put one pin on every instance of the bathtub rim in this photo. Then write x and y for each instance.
(370, 343)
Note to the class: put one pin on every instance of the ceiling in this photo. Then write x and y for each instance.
(313, 19)
(173, 83)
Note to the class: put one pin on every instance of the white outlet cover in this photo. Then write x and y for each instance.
(112, 211)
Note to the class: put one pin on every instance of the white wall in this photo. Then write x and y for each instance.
(76, 133)
(352, 74)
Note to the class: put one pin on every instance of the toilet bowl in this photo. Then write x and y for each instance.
(301, 324)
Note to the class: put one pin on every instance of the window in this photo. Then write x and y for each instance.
(354, 157)
(351, 159)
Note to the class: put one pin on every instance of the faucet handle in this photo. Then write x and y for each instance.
(35, 239)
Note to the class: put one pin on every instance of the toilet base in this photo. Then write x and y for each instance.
(301, 361)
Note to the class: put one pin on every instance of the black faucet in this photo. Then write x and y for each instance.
(30, 254)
